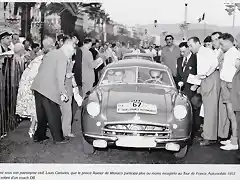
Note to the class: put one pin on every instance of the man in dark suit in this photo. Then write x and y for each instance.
(77, 70)
(187, 64)
(95, 54)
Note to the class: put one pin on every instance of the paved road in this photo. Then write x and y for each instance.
(19, 148)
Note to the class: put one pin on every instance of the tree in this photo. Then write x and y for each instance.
(93, 10)
(43, 9)
(68, 14)
(25, 16)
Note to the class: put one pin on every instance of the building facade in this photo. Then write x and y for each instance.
(8, 22)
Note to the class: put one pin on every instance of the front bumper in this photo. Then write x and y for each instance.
(134, 142)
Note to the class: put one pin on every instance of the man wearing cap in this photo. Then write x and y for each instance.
(5, 39)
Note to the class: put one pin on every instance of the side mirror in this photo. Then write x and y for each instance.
(180, 84)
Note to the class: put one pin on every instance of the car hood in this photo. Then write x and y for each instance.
(159, 96)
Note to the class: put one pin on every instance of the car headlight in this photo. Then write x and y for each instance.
(93, 108)
(180, 112)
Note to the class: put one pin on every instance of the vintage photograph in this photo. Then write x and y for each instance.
(120, 82)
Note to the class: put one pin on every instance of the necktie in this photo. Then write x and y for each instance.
(184, 63)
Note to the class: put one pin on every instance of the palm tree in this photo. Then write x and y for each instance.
(93, 10)
(43, 8)
(25, 16)
(68, 13)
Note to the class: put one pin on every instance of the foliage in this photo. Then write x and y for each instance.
(25, 15)
(68, 13)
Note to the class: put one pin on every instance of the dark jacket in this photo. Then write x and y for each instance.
(191, 68)
(77, 68)
(94, 53)
(235, 92)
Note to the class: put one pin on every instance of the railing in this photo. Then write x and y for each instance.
(9, 79)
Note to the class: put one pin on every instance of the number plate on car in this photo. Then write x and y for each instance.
(136, 107)
(135, 141)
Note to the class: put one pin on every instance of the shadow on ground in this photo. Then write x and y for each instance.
(19, 148)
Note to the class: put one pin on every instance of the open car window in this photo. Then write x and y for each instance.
(136, 75)
(138, 57)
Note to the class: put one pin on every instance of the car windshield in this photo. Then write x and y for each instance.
(136, 75)
(138, 57)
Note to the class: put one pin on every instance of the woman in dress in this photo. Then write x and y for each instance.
(25, 98)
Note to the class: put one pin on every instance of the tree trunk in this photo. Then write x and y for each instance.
(23, 22)
(25, 18)
(68, 22)
(42, 26)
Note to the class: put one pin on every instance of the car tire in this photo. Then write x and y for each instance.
(87, 148)
(182, 152)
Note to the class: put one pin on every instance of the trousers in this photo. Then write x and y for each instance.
(66, 109)
(48, 112)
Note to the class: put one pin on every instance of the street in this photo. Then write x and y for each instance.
(19, 148)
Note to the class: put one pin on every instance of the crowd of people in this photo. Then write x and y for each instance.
(215, 64)
(55, 79)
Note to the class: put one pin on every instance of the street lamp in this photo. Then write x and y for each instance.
(155, 23)
(184, 26)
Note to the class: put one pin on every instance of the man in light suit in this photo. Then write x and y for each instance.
(223, 122)
(235, 98)
(207, 64)
(50, 93)
(187, 64)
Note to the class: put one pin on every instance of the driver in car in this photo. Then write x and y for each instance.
(119, 76)
(109, 77)
(156, 76)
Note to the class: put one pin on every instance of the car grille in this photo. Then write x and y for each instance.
(137, 130)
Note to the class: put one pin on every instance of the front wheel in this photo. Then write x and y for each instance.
(182, 152)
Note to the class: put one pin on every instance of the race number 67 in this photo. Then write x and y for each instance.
(137, 104)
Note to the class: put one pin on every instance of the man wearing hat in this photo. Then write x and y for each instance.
(5, 39)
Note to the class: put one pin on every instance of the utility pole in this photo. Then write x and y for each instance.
(26, 20)
(185, 24)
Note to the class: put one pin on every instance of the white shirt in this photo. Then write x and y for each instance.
(228, 67)
(159, 52)
(207, 61)
(184, 59)
(135, 51)
(11, 46)
(217, 51)
(153, 52)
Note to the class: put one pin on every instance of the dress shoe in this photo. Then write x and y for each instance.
(229, 147)
(66, 140)
(35, 139)
(70, 135)
(207, 142)
(225, 142)
(198, 138)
